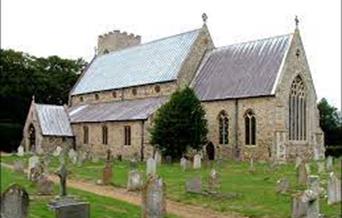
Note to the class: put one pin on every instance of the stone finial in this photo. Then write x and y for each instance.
(204, 18)
(296, 21)
(33, 98)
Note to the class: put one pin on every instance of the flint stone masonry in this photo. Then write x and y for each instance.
(14, 202)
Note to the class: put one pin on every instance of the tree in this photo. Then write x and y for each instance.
(330, 122)
(180, 124)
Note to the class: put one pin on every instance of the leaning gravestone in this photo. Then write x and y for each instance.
(19, 166)
(197, 161)
(44, 186)
(194, 185)
(32, 163)
(302, 174)
(14, 202)
(154, 203)
(334, 189)
(135, 180)
(57, 151)
(20, 151)
(151, 167)
(311, 198)
(283, 185)
(330, 163)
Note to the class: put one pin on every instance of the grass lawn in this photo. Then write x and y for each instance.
(103, 207)
(254, 195)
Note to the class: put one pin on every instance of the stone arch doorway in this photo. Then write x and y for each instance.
(210, 148)
(32, 138)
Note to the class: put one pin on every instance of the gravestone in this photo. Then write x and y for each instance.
(44, 186)
(334, 189)
(151, 167)
(168, 159)
(19, 166)
(330, 164)
(14, 202)
(311, 198)
(135, 180)
(298, 162)
(62, 173)
(133, 164)
(213, 181)
(154, 203)
(183, 163)
(107, 174)
(32, 163)
(72, 156)
(302, 174)
(158, 157)
(313, 184)
(299, 207)
(197, 161)
(283, 185)
(57, 151)
(67, 207)
(194, 185)
(20, 151)
(321, 167)
(308, 169)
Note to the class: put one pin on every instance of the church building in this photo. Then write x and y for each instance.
(259, 97)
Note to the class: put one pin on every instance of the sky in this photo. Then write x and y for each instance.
(69, 28)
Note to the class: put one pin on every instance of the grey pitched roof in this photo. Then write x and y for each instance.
(53, 120)
(242, 70)
(139, 109)
(156, 61)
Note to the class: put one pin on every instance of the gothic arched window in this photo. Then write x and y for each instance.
(297, 110)
(223, 128)
(104, 135)
(250, 128)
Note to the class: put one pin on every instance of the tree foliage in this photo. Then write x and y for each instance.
(180, 124)
(330, 122)
(23, 75)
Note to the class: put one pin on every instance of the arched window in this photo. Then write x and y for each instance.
(97, 97)
(223, 128)
(104, 135)
(85, 134)
(250, 128)
(297, 110)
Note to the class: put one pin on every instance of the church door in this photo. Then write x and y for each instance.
(32, 138)
(210, 151)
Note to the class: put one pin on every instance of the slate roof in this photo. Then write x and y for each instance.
(53, 120)
(156, 61)
(241, 70)
(139, 109)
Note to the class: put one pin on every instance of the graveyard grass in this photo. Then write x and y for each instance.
(252, 195)
(103, 207)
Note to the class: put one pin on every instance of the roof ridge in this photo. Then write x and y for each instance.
(250, 41)
(150, 42)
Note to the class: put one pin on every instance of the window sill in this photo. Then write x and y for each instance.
(250, 146)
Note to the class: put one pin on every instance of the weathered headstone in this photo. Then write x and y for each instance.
(44, 186)
(133, 164)
(158, 157)
(313, 184)
(213, 181)
(197, 161)
(72, 156)
(135, 180)
(19, 166)
(20, 151)
(168, 159)
(321, 167)
(193, 185)
(299, 207)
(32, 163)
(151, 167)
(308, 169)
(62, 173)
(57, 151)
(334, 189)
(283, 185)
(330, 163)
(302, 174)
(67, 207)
(14, 202)
(107, 174)
(154, 203)
(183, 163)
(311, 198)
(298, 162)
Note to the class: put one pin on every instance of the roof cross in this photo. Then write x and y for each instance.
(296, 21)
(204, 17)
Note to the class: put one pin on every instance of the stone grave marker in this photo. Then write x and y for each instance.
(168, 159)
(67, 207)
(298, 162)
(299, 207)
(194, 185)
(20, 151)
(213, 181)
(330, 163)
(154, 203)
(321, 167)
(197, 161)
(107, 174)
(334, 189)
(72, 156)
(158, 157)
(151, 167)
(135, 180)
(313, 184)
(33, 162)
(57, 151)
(19, 166)
(183, 163)
(283, 185)
(133, 164)
(311, 198)
(44, 186)
(14, 202)
(302, 174)
(308, 169)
